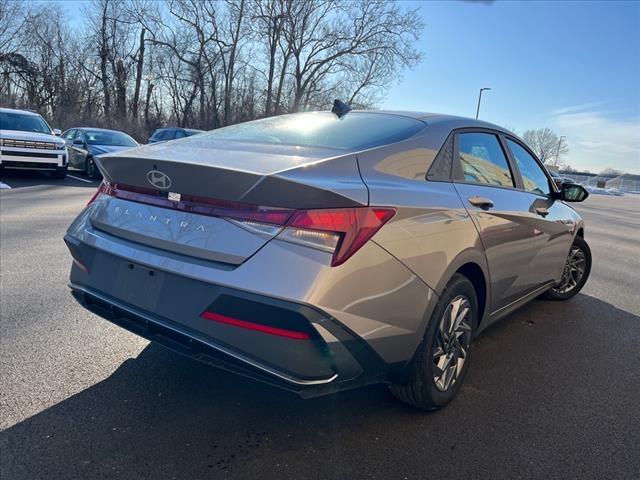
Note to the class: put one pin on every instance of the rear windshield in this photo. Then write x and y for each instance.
(23, 122)
(354, 131)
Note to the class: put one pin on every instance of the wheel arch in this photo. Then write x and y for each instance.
(472, 264)
(477, 278)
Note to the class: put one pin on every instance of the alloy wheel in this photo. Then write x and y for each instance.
(573, 272)
(91, 168)
(452, 342)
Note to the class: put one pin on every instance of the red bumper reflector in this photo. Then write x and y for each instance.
(258, 327)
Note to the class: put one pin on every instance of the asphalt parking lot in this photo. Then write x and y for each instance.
(553, 391)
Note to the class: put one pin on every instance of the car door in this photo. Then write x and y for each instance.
(488, 186)
(78, 151)
(68, 139)
(555, 223)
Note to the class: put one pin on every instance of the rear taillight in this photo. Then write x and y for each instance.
(340, 231)
(101, 188)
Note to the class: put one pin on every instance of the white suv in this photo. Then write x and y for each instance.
(27, 142)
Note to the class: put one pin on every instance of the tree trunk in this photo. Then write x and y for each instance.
(103, 63)
(147, 103)
(139, 69)
(121, 90)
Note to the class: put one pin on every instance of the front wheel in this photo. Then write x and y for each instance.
(575, 274)
(91, 169)
(442, 360)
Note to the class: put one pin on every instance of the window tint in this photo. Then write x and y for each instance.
(354, 131)
(162, 134)
(180, 134)
(68, 135)
(79, 135)
(483, 160)
(108, 137)
(532, 175)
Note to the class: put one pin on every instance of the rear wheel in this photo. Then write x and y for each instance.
(91, 169)
(575, 274)
(442, 360)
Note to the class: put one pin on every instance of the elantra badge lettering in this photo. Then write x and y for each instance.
(159, 179)
(154, 218)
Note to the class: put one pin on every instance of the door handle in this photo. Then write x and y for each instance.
(542, 211)
(481, 202)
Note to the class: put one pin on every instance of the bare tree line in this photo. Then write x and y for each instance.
(138, 64)
(546, 144)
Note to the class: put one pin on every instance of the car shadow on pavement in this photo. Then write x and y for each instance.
(545, 388)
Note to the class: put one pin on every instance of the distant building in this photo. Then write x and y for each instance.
(626, 182)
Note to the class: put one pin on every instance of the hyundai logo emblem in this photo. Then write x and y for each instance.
(159, 179)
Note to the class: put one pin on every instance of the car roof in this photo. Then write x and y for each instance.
(96, 129)
(15, 110)
(180, 128)
(432, 118)
(428, 117)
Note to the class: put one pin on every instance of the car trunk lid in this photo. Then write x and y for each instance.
(218, 202)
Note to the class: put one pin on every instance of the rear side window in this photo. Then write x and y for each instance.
(354, 131)
(482, 160)
(180, 134)
(533, 177)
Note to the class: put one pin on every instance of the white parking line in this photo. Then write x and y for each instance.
(78, 178)
(4, 185)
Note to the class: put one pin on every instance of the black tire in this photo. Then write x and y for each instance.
(91, 169)
(556, 292)
(420, 388)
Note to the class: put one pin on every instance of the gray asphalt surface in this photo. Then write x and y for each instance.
(553, 391)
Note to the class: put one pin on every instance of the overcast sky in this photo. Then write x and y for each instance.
(572, 66)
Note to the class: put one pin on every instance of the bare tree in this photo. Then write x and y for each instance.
(546, 144)
(611, 171)
(201, 63)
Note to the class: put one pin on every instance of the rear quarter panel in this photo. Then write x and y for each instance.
(432, 233)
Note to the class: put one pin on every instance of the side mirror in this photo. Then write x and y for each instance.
(78, 142)
(57, 132)
(572, 192)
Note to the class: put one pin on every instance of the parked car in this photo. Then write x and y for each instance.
(85, 144)
(27, 142)
(172, 133)
(319, 251)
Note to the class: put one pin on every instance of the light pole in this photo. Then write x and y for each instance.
(558, 149)
(480, 99)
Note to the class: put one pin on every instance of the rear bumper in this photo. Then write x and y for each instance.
(363, 320)
(346, 363)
